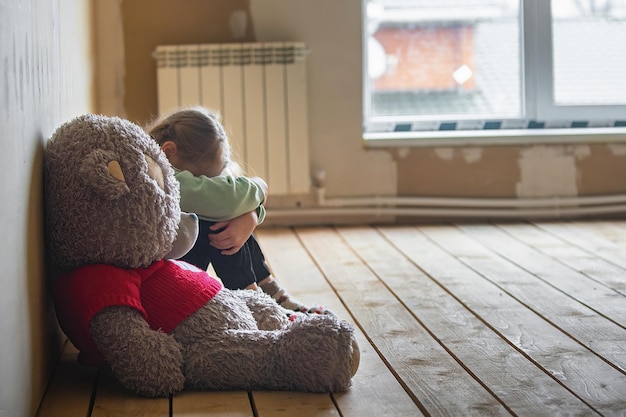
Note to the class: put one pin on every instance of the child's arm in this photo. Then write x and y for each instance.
(220, 198)
(234, 233)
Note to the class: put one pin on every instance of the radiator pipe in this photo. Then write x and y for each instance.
(457, 213)
(459, 202)
(453, 207)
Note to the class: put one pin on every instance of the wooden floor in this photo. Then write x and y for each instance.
(522, 319)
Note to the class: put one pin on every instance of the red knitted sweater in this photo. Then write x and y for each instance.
(166, 293)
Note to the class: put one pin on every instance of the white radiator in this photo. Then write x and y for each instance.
(260, 91)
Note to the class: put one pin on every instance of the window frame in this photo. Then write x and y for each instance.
(544, 106)
(537, 101)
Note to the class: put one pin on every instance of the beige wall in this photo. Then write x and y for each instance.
(331, 29)
(130, 31)
(46, 60)
(513, 171)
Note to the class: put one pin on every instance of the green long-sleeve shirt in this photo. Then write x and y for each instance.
(219, 198)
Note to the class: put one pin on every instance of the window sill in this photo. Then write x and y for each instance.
(499, 137)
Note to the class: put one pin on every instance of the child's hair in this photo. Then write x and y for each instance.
(199, 136)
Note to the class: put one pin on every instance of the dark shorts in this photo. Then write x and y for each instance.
(236, 271)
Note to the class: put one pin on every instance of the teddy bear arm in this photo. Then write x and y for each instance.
(143, 360)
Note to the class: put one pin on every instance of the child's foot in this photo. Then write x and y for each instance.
(286, 301)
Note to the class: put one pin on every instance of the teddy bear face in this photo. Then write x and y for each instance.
(111, 196)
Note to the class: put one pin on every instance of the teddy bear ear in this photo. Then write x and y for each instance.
(155, 172)
(102, 172)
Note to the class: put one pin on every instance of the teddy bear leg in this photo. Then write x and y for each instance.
(267, 313)
(314, 353)
(224, 311)
(234, 359)
(328, 354)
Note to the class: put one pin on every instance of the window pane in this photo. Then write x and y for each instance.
(444, 58)
(589, 51)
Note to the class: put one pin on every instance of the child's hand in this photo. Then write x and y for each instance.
(234, 233)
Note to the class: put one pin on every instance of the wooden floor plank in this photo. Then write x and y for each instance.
(604, 273)
(375, 390)
(525, 388)
(586, 239)
(437, 380)
(581, 371)
(288, 404)
(534, 250)
(600, 335)
(612, 230)
(212, 404)
(114, 401)
(69, 393)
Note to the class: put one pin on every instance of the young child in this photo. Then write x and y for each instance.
(229, 205)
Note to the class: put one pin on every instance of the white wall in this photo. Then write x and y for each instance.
(45, 78)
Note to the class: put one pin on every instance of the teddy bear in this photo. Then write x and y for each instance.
(114, 231)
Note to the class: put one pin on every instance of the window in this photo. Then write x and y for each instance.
(437, 65)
